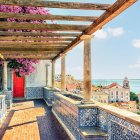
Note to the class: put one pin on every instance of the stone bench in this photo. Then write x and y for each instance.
(92, 133)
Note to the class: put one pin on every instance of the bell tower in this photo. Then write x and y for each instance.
(126, 83)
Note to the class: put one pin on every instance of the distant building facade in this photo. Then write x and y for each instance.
(100, 97)
(118, 93)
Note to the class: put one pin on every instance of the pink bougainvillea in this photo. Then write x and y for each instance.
(22, 66)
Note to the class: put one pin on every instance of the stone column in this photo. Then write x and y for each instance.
(47, 74)
(63, 73)
(87, 68)
(5, 76)
(53, 74)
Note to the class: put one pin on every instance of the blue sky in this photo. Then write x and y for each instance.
(115, 48)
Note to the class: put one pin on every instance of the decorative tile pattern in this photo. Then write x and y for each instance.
(48, 95)
(117, 128)
(3, 107)
(8, 98)
(119, 132)
(67, 112)
(87, 117)
(34, 92)
(74, 117)
(103, 120)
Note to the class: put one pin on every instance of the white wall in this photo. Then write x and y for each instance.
(38, 77)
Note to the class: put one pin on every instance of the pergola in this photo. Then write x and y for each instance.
(64, 37)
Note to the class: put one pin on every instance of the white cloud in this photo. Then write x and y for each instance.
(136, 65)
(136, 43)
(101, 34)
(116, 32)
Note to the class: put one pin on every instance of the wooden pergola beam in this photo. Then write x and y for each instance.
(22, 46)
(118, 7)
(41, 26)
(2, 49)
(5, 15)
(36, 56)
(34, 34)
(56, 4)
(34, 43)
(28, 52)
(25, 39)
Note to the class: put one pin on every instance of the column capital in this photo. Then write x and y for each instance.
(84, 37)
(5, 61)
(53, 61)
(47, 65)
(63, 55)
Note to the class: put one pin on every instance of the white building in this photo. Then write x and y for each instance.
(118, 93)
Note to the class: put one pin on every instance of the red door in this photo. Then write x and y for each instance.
(18, 86)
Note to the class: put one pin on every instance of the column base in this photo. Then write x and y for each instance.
(84, 101)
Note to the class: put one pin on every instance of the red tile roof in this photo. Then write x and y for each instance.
(112, 85)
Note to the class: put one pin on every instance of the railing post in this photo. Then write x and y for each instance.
(63, 73)
(87, 68)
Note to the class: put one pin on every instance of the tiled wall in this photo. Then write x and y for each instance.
(74, 117)
(68, 113)
(117, 128)
(2, 107)
(87, 117)
(48, 95)
(34, 92)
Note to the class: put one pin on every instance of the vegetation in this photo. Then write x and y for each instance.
(133, 97)
(138, 112)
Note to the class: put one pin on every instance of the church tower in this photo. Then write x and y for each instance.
(126, 83)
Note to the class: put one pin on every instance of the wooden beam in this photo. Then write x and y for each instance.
(46, 17)
(118, 7)
(26, 44)
(2, 49)
(42, 27)
(57, 4)
(29, 56)
(29, 52)
(33, 34)
(37, 39)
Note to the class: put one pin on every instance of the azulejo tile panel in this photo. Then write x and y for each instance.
(74, 117)
(67, 113)
(103, 120)
(88, 117)
(119, 132)
(118, 128)
(34, 92)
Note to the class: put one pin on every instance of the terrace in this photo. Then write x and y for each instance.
(48, 113)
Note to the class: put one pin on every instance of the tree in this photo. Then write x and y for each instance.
(133, 97)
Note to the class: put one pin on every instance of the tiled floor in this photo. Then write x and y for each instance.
(31, 120)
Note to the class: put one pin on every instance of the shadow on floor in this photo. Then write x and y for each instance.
(49, 127)
(5, 124)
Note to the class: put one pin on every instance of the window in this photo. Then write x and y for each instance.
(116, 94)
(112, 94)
(122, 95)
